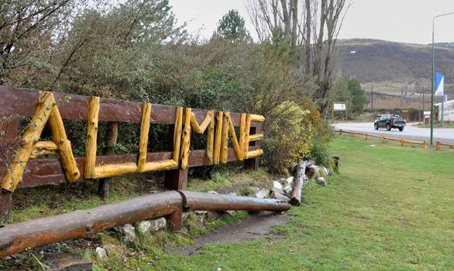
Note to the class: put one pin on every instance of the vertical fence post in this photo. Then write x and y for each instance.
(425, 144)
(402, 142)
(383, 139)
(110, 140)
(353, 134)
(438, 146)
(254, 162)
(367, 136)
(8, 144)
(340, 132)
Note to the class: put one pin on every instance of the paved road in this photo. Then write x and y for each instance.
(411, 132)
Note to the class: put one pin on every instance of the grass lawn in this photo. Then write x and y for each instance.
(390, 208)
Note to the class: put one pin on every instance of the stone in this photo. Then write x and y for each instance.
(279, 196)
(230, 213)
(331, 172)
(290, 180)
(310, 163)
(263, 193)
(128, 232)
(321, 181)
(313, 172)
(288, 189)
(66, 262)
(277, 185)
(102, 253)
(152, 225)
(213, 192)
(201, 213)
(276, 190)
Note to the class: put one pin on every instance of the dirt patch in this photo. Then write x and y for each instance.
(253, 227)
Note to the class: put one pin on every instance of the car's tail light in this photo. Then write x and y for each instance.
(394, 121)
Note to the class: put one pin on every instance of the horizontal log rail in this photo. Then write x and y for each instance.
(402, 141)
(439, 144)
(15, 238)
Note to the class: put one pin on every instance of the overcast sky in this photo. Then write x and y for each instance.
(407, 21)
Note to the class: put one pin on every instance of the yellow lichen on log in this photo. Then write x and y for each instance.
(210, 140)
(186, 138)
(60, 138)
(43, 148)
(258, 118)
(177, 133)
(105, 171)
(160, 165)
(236, 146)
(253, 154)
(225, 137)
(255, 137)
(31, 136)
(143, 141)
(218, 138)
(92, 135)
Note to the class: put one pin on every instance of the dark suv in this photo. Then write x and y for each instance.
(390, 121)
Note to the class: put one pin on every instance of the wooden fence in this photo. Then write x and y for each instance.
(402, 141)
(28, 170)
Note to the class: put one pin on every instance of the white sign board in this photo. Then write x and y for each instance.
(340, 107)
(426, 113)
(439, 84)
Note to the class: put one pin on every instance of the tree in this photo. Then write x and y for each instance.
(349, 90)
(27, 37)
(311, 26)
(231, 27)
(358, 96)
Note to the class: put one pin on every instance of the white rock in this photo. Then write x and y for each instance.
(316, 172)
(279, 196)
(102, 253)
(213, 192)
(263, 193)
(321, 181)
(290, 180)
(277, 185)
(152, 225)
(288, 189)
(128, 232)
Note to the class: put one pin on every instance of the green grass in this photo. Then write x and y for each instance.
(390, 208)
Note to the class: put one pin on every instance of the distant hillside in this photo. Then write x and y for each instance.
(398, 71)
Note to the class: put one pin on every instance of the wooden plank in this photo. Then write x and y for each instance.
(143, 141)
(186, 142)
(92, 136)
(218, 138)
(23, 102)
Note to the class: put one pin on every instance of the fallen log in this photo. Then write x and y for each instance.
(18, 237)
(299, 182)
(195, 201)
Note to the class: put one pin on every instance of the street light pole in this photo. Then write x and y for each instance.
(433, 78)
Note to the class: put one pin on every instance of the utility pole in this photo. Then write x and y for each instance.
(372, 97)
